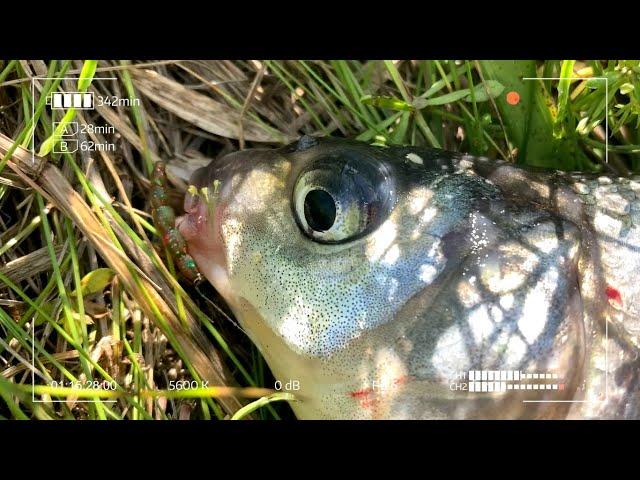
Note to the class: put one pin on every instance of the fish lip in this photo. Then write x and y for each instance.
(191, 203)
(199, 179)
(194, 223)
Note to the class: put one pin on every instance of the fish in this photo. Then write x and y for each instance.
(398, 282)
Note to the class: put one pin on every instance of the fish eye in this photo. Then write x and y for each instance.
(339, 198)
(319, 210)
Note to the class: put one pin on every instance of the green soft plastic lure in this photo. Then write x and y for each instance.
(164, 219)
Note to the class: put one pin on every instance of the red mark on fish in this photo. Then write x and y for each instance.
(367, 396)
(613, 294)
(365, 392)
(401, 380)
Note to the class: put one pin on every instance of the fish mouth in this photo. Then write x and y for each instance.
(200, 228)
(203, 246)
(192, 202)
(196, 205)
(194, 225)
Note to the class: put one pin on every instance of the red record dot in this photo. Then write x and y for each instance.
(513, 98)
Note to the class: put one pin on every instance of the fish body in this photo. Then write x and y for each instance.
(403, 282)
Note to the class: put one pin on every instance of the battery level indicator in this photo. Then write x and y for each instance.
(77, 100)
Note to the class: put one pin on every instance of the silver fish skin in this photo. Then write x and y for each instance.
(415, 283)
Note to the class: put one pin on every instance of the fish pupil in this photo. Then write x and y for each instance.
(319, 210)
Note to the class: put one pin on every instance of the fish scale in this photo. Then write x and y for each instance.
(610, 212)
